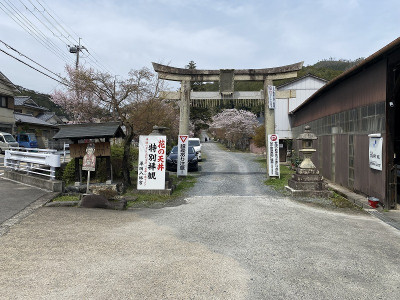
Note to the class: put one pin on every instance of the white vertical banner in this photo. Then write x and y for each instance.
(183, 153)
(375, 151)
(273, 155)
(271, 96)
(151, 164)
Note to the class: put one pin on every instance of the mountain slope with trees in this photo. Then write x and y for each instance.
(42, 100)
(326, 69)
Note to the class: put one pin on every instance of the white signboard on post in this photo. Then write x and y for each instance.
(375, 151)
(151, 165)
(271, 96)
(273, 155)
(183, 153)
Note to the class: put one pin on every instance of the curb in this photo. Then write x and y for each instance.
(41, 201)
(362, 202)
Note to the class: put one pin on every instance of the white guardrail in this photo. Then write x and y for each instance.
(33, 161)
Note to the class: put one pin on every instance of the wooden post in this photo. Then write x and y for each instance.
(108, 165)
(88, 181)
(109, 175)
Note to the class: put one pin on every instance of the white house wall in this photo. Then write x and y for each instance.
(304, 87)
(283, 128)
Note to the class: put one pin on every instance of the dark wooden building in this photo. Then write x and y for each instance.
(362, 101)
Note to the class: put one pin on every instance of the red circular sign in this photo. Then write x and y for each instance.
(274, 137)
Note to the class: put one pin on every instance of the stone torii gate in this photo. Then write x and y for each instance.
(226, 78)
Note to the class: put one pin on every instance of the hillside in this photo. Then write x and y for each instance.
(42, 100)
(326, 69)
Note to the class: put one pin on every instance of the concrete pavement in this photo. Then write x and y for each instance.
(19, 200)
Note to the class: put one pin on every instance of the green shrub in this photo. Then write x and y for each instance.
(100, 175)
(68, 175)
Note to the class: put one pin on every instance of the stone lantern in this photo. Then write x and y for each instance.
(307, 139)
(307, 181)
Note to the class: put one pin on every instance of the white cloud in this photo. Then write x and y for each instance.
(215, 34)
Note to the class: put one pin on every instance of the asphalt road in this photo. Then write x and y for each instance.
(234, 239)
(15, 196)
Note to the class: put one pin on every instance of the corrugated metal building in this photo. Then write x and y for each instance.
(364, 100)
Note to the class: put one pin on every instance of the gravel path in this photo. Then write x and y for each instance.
(230, 173)
(234, 239)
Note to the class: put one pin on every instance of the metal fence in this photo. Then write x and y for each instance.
(39, 162)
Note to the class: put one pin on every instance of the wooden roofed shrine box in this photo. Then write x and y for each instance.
(83, 134)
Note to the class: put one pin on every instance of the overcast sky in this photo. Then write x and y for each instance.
(216, 34)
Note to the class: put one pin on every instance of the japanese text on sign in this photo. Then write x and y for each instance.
(271, 96)
(151, 165)
(273, 155)
(375, 153)
(183, 153)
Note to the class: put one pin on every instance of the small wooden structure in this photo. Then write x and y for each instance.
(82, 134)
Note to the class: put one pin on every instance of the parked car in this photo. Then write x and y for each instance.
(6, 141)
(27, 140)
(195, 143)
(172, 160)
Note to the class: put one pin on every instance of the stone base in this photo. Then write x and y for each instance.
(306, 171)
(52, 185)
(156, 192)
(307, 178)
(304, 193)
(307, 185)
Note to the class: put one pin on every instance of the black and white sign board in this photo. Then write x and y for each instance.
(183, 153)
(151, 165)
(375, 151)
(271, 96)
(273, 155)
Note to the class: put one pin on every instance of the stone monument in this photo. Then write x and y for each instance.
(307, 181)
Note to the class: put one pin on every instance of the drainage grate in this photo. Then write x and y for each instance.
(385, 219)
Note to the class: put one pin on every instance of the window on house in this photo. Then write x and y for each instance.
(3, 102)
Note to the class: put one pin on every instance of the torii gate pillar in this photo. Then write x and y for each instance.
(184, 104)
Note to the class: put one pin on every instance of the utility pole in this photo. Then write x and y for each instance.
(76, 49)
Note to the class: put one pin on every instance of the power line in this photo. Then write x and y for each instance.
(9, 47)
(29, 27)
(43, 22)
(47, 11)
(92, 53)
(39, 22)
(33, 67)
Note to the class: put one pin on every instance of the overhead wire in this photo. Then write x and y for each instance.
(94, 57)
(28, 26)
(40, 21)
(48, 9)
(46, 38)
(16, 58)
(21, 54)
(53, 24)
(48, 21)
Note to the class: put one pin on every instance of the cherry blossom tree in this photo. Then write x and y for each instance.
(234, 126)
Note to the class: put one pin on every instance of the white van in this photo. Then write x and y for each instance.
(6, 141)
(195, 143)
